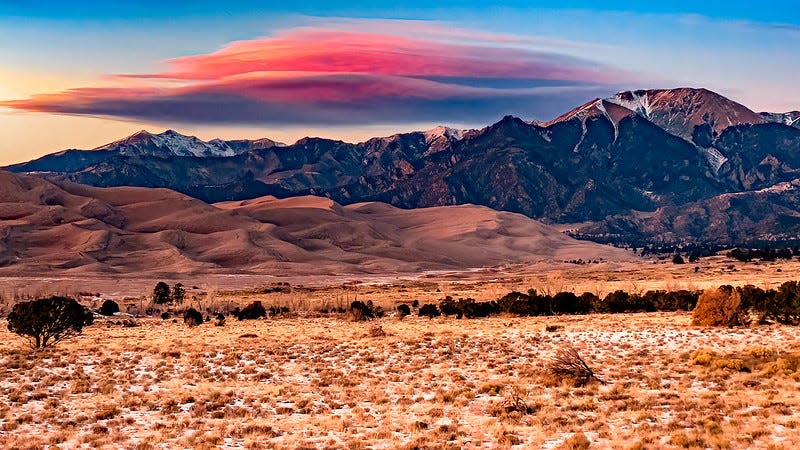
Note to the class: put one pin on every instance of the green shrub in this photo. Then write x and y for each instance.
(787, 303)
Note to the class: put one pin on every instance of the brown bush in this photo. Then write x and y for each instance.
(720, 307)
(568, 364)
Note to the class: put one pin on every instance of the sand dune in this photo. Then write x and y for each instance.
(76, 229)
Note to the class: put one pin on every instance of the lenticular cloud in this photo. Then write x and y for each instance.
(322, 76)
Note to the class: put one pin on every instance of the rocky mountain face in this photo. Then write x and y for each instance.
(791, 118)
(607, 161)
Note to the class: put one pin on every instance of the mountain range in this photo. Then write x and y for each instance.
(668, 166)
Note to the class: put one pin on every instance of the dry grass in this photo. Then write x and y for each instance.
(328, 383)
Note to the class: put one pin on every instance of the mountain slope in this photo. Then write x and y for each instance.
(766, 215)
(46, 227)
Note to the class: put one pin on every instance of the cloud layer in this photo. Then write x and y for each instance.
(329, 76)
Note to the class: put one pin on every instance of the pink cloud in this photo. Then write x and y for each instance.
(319, 75)
(344, 51)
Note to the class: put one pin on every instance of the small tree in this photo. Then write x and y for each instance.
(178, 293)
(161, 294)
(403, 310)
(48, 321)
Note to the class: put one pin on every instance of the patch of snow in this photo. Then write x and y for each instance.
(442, 131)
(639, 102)
(182, 145)
(714, 158)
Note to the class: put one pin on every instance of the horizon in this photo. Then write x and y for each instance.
(350, 71)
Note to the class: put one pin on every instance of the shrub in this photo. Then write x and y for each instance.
(703, 356)
(516, 404)
(594, 302)
(253, 311)
(429, 310)
(682, 300)
(450, 307)
(109, 308)
(403, 310)
(720, 307)
(616, 302)
(161, 294)
(192, 317)
(678, 259)
(568, 364)
(578, 441)
(220, 322)
(569, 303)
(165, 316)
(376, 331)
(48, 321)
(787, 303)
(474, 309)
(516, 303)
(361, 311)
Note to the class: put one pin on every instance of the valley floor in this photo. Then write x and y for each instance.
(443, 383)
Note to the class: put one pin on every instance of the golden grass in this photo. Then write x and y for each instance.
(324, 382)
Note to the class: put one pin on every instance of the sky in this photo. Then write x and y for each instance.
(81, 74)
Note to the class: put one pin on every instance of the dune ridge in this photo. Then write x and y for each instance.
(48, 227)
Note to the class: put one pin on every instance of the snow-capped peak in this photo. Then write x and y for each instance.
(680, 110)
(171, 143)
(445, 132)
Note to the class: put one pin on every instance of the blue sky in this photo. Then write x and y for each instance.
(776, 11)
(61, 87)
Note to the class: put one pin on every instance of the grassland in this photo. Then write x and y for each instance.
(306, 380)
(303, 382)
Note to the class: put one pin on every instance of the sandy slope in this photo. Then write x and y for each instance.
(75, 229)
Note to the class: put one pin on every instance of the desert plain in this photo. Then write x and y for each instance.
(307, 379)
